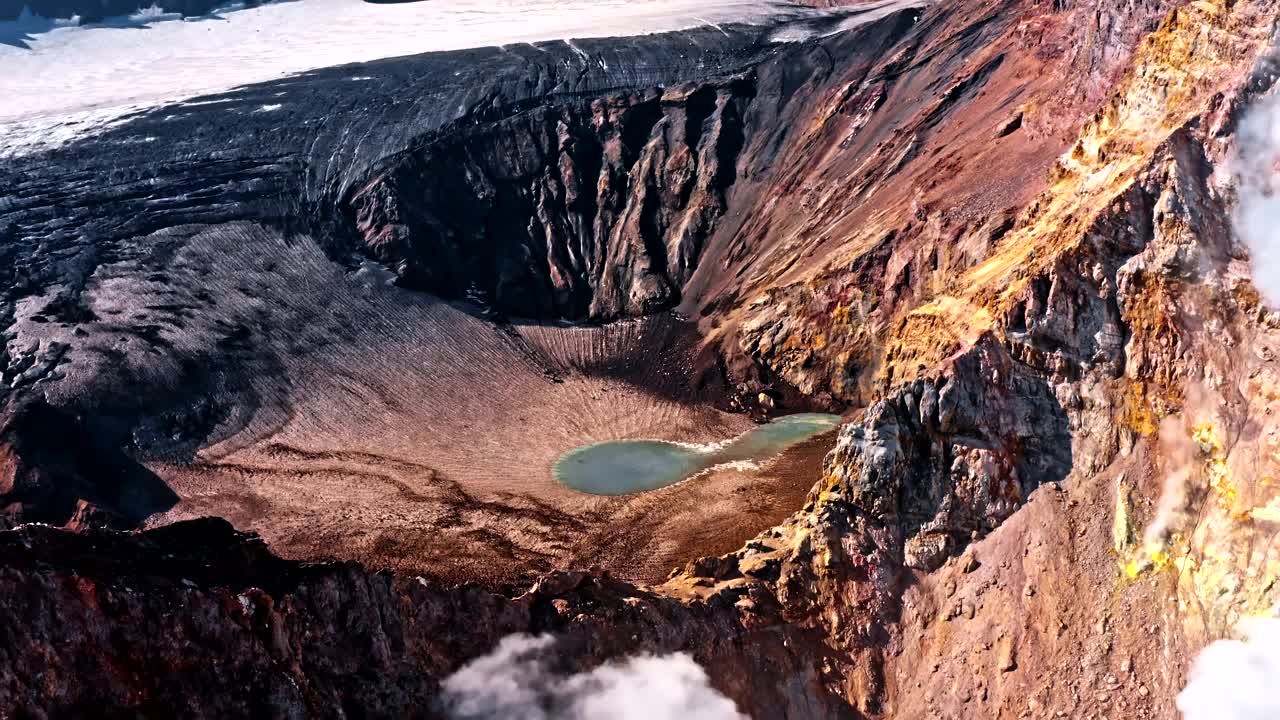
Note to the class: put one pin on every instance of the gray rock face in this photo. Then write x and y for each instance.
(945, 460)
(591, 209)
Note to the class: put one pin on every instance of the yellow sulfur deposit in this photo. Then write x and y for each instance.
(1215, 465)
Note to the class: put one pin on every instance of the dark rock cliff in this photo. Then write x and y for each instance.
(53, 471)
(591, 209)
(528, 143)
(197, 620)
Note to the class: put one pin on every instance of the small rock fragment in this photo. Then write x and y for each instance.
(1007, 660)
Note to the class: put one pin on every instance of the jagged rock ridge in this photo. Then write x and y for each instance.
(596, 209)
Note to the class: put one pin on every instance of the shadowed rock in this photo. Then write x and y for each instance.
(258, 635)
(593, 209)
(52, 471)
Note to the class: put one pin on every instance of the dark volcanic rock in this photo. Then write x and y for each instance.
(288, 153)
(53, 471)
(946, 460)
(197, 620)
(594, 208)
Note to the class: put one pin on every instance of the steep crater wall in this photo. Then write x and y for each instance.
(585, 209)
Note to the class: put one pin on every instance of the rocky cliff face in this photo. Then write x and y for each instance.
(200, 620)
(592, 209)
(1102, 288)
(606, 208)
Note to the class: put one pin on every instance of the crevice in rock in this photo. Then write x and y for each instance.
(582, 209)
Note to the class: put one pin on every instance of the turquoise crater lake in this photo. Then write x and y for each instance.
(623, 467)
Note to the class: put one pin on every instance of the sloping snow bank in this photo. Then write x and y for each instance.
(62, 80)
(154, 59)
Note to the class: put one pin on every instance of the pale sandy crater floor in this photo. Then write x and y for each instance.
(357, 420)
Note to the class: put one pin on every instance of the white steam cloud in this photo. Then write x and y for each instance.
(1257, 170)
(515, 682)
(1236, 679)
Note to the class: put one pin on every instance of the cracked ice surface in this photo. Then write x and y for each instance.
(62, 80)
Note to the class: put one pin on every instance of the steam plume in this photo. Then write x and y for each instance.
(1235, 679)
(1257, 218)
(515, 682)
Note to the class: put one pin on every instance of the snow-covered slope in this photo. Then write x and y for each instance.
(105, 71)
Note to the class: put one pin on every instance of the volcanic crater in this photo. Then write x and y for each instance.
(367, 331)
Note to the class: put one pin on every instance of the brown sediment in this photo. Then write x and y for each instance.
(420, 437)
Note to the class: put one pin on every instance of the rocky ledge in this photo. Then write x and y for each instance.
(196, 619)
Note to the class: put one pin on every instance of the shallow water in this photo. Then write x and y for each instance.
(623, 467)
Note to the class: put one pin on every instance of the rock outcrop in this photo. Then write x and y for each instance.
(53, 471)
(948, 460)
(923, 473)
(592, 209)
(197, 619)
